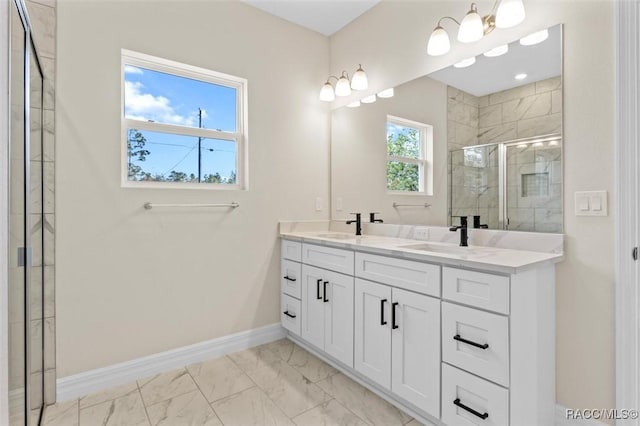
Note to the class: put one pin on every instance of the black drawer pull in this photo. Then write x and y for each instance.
(288, 314)
(382, 321)
(288, 278)
(469, 342)
(469, 409)
(318, 289)
(393, 315)
(324, 296)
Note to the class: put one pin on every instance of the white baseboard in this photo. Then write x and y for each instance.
(87, 382)
(561, 419)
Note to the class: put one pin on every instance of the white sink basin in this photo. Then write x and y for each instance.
(447, 249)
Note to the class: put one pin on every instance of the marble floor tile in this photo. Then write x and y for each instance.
(254, 358)
(62, 414)
(310, 366)
(166, 385)
(219, 378)
(251, 407)
(364, 403)
(330, 413)
(190, 409)
(127, 410)
(283, 348)
(289, 389)
(107, 395)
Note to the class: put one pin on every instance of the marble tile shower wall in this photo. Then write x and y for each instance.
(534, 109)
(42, 14)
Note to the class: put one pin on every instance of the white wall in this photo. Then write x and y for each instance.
(132, 282)
(390, 42)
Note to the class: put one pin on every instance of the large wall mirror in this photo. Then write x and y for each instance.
(482, 138)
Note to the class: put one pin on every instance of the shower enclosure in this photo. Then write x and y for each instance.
(26, 223)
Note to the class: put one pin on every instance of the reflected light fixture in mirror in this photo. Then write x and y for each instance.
(368, 99)
(466, 62)
(497, 51)
(520, 76)
(535, 38)
(474, 26)
(354, 104)
(387, 93)
(359, 81)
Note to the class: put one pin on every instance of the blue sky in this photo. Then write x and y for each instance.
(155, 96)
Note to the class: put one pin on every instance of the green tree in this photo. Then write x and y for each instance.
(403, 176)
(175, 176)
(136, 152)
(232, 177)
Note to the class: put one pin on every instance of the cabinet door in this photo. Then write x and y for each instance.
(373, 331)
(338, 317)
(312, 305)
(415, 343)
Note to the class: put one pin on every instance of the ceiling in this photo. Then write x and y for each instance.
(323, 16)
(491, 75)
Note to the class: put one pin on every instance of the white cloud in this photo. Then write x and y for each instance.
(147, 107)
(130, 69)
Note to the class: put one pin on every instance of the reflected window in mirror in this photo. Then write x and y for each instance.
(409, 156)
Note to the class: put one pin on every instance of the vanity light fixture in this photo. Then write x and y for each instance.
(538, 144)
(535, 38)
(354, 104)
(522, 145)
(553, 143)
(387, 93)
(497, 51)
(368, 99)
(520, 76)
(344, 85)
(465, 62)
(474, 26)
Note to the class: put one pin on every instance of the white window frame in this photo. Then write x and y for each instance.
(425, 162)
(167, 66)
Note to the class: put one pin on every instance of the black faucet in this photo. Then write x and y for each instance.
(476, 223)
(372, 218)
(358, 223)
(464, 236)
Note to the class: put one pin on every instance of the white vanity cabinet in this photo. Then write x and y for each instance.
(451, 342)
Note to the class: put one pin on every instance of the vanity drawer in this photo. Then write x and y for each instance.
(476, 341)
(290, 278)
(291, 250)
(290, 314)
(328, 258)
(460, 388)
(487, 291)
(415, 276)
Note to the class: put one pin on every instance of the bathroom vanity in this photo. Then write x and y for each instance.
(452, 335)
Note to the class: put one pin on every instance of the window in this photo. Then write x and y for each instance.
(182, 126)
(409, 156)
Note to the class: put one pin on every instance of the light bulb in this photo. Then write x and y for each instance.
(359, 80)
(466, 62)
(438, 42)
(354, 104)
(326, 93)
(510, 13)
(471, 27)
(369, 99)
(535, 38)
(387, 93)
(497, 51)
(343, 88)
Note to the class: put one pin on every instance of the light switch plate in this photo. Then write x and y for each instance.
(591, 203)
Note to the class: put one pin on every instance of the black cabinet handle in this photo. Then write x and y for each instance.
(318, 289)
(288, 278)
(324, 296)
(469, 342)
(288, 314)
(469, 409)
(393, 315)
(382, 321)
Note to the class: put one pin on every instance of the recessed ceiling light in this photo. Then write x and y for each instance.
(534, 38)
(465, 62)
(497, 51)
(387, 93)
(355, 104)
(369, 99)
(521, 76)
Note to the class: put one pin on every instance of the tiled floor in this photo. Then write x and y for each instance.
(274, 384)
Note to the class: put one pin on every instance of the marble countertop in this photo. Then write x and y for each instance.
(492, 259)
